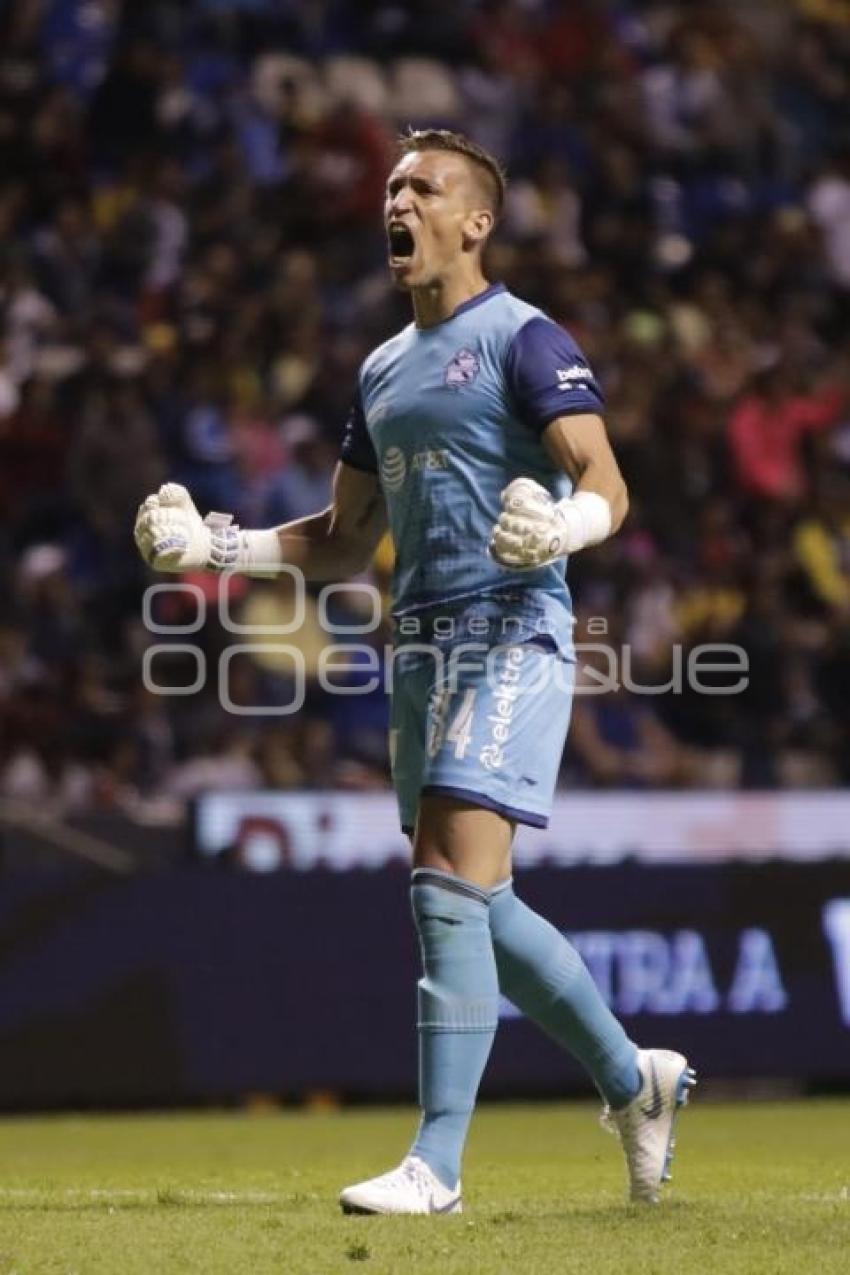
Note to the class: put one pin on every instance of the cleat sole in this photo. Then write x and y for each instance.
(358, 1210)
(687, 1081)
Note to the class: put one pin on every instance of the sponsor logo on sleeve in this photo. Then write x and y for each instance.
(569, 377)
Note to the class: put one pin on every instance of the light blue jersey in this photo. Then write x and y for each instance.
(447, 416)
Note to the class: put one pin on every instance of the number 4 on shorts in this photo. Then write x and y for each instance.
(460, 731)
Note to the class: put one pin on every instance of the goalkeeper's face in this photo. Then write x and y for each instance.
(434, 215)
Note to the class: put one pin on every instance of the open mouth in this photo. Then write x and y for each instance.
(401, 242)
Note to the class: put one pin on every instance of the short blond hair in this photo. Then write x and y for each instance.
(488, 170)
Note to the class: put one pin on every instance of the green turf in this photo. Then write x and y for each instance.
(758, 1188)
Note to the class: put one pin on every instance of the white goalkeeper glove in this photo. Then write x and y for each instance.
(172, 536)
(534, 529)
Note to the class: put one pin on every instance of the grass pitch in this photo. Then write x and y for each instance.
(757, 1188)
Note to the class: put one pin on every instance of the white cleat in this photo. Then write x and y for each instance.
(411, 1188)
(645, 1126)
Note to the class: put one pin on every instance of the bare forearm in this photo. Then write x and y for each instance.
(315, 546)
(533, 529)
(579, 445)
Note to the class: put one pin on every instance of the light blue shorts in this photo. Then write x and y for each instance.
(488, 728)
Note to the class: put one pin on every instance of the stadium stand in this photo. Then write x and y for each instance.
(192, 268)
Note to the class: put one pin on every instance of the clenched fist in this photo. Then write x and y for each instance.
(534, 529)
(171, 535)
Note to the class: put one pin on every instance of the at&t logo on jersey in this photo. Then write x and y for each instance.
(393, 469)
(431, 459)
(462, 369)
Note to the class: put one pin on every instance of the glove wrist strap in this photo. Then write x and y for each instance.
(589, 519)
(256, 553)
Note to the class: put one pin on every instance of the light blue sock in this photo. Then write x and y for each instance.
(546, 978)
(458, 1012)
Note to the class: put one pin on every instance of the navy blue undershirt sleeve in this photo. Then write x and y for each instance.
(357, 449)
(548, 376)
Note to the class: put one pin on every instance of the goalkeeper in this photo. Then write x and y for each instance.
(476, 434)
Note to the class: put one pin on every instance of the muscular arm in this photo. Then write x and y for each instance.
(555, 392)
(339, 541)
(533, 529)
(579, 446)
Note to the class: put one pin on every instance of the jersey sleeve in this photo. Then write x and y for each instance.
(548, 376)
(357, 449)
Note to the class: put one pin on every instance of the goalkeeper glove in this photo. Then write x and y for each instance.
(171, 536)
(534, 529)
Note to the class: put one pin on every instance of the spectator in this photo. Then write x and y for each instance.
(822, 548)
(829, 207)
(192, 271)
(767, 430)
(303, 485)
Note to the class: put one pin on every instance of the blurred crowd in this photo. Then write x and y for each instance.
(192, 267)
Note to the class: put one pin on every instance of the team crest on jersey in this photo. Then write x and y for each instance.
(462, 369)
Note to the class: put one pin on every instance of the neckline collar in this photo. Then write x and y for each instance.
(491, 290)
